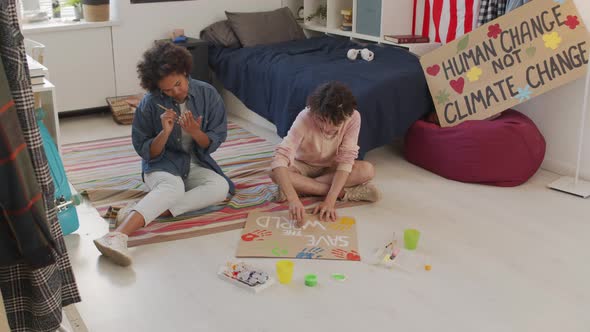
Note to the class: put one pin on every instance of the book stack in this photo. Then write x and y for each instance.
(407, 39)
(37, 71)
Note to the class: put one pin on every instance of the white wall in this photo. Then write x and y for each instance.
(141, 24)
(558, 115)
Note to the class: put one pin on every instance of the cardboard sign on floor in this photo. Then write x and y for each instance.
(529, 51)
(275, 235)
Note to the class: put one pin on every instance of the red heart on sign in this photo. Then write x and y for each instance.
(433, 71)
(458, 85)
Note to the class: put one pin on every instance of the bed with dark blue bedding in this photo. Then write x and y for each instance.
(275, 80)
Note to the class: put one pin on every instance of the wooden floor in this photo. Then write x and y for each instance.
(503, 259)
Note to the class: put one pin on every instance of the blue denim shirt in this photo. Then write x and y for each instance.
(203, 100)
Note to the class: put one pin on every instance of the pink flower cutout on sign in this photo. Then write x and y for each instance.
(494, 31)
(572, 21)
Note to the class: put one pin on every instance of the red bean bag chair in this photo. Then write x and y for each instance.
(506, 151)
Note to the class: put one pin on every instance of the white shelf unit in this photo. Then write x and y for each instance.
(47, 97)
(46, 86)
(44, 93)
(309, 7)
(393, 17)
(335, 19)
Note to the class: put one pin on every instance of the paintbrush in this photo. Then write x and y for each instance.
(162, 107)
(167, 109)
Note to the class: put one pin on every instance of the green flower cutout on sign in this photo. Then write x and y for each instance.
(463, 43)
(531, 51)
(443, 97)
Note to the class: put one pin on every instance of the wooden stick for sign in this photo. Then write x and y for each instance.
(582, 126)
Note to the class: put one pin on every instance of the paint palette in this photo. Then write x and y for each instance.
(406, 260)
(246, 276)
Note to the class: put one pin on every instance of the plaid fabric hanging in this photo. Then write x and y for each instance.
(33, 298)
(513, 4)
(24, 231)
(444, 20)
(491, 10)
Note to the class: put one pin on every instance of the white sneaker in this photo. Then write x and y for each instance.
(124, 212)
(114, 246)
(362, 192)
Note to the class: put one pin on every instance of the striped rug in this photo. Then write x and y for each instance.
(109, 173)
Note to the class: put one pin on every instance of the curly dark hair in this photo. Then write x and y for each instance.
(332, 101)
(163, 59)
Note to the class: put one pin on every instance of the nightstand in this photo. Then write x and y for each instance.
(199, 49)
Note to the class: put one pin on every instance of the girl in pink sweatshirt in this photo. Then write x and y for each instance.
(318, 155)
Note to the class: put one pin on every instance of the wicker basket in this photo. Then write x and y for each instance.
(123, 108)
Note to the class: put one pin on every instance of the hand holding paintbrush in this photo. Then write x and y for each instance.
(186, 120)
(168, 118)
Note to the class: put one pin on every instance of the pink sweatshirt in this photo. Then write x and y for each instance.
(307, 143)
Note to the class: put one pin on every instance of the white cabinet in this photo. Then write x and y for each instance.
(372, 19)
(81, 64)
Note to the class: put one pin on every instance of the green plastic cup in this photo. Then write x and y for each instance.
(411, 237)
(311, 280)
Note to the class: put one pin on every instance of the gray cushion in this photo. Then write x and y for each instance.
(220, 33)
(262, 28)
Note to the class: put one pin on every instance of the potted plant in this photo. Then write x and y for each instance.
(96, 10)
(321, 14)
(77, 4)
(56, 8)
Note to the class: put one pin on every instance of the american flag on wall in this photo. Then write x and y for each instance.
(444, 20)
